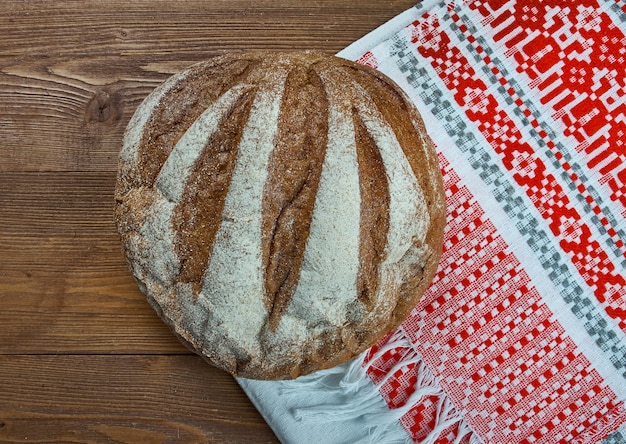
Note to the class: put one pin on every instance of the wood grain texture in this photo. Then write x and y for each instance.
(125, 399)
(83, 357)
(65, 285)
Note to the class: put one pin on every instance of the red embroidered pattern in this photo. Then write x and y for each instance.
(486, 332)
(528, 170)
(572, 68)
(488, 72)
(368, 59)
(421, 420)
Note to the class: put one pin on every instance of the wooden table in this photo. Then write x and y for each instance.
(82, 355)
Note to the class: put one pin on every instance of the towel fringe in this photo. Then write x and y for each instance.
(352, 390)
(356, 397)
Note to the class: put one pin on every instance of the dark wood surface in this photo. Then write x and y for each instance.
(83, 358)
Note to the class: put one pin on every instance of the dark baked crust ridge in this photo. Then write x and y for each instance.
(374, 188)
(407, 124)
(197, 216)
(202, 86)
(289, 195)
(327, 344)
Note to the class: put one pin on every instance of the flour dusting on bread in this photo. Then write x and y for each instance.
(281, 211)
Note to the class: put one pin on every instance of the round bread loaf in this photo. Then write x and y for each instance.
(280, 211)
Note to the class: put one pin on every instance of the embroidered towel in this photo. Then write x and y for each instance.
(522, 335)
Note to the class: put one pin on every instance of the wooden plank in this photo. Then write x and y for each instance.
(143, 27)
(66, 287)
(67, 92)
(126, 399)
(69, 215)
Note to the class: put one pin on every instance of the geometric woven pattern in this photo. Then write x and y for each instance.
(524, 327)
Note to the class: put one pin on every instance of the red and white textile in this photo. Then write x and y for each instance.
(521, 337)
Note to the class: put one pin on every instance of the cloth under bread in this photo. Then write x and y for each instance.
(522, 335)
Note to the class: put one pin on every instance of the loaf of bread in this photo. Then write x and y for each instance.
(280, 211)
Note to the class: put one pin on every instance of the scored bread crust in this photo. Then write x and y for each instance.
(281, 211)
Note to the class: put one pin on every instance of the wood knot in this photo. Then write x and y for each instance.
(103, 107)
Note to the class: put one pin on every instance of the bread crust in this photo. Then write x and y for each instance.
(280, 211)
